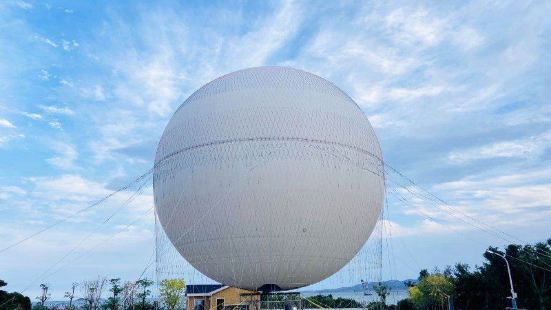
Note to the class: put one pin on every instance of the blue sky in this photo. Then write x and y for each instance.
(458, 93)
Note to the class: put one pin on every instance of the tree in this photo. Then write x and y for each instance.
(423, 273)
(113, 301)
(92, 292)
(143, 285)
(432, 291)
(171, 292)
(487, 286)
(44, 295)
(331, 302)
(537, 293)
(376, 305)
(128, 292)
(11, 301)
(405, 304)
(70, 295)
(469, 287)
(382, 291)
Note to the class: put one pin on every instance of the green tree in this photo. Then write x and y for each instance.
(487, 286)
(469, 287)
(331, 302)
(171, 292)
(112, 302)
(405, 304)
(431, 292)
(144, 292)
(376, 305)
(11, 301)
(382, 291)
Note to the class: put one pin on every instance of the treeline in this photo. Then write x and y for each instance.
(103, 294)
(328, 301)
(486, 286)
(482, 287)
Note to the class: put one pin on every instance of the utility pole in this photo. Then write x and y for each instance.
(513, 294)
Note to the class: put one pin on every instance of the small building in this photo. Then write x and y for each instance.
(220, 297)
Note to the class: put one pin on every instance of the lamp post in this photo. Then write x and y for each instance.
(513, 294)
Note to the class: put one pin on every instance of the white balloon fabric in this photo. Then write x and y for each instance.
(268, 178)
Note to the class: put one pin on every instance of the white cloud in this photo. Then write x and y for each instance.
(523, 148)
(7, 192)
(385, 60)
(96, 93)
(44, 75)
(24, 5)
(415, 27)
(271, 35)
(66, 158)
(55, 124)
(501, 199)
(384, 120)
(5, 139)
(69, 45)
(46, 40)
(415, 93)
(424, 227)
(468, 38)
(33, 116)
(155, 75)
(52, 109)
(6, 124)
(502, 181)
(69, 187)
(67, 83)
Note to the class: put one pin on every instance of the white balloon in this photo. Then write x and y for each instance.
(268, 176)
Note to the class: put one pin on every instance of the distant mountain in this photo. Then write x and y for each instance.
(392, 284)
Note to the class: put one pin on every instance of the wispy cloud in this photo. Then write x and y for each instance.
(96, 93)
(55, 124)
(524, 148)
(6, 124)
(519, 199)
(24, 5)
(418, 27)
(44, 75)
(69, 45)
(67, 154)
(57, 110)
(47, 41)
(33, 116)
(66, 83)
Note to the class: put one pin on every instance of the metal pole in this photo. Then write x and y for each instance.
(513, 294)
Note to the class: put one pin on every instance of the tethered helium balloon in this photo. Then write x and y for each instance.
(268, 178)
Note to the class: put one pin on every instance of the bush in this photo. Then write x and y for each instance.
(405, 304)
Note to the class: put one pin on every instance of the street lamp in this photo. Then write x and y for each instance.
(513, 294)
